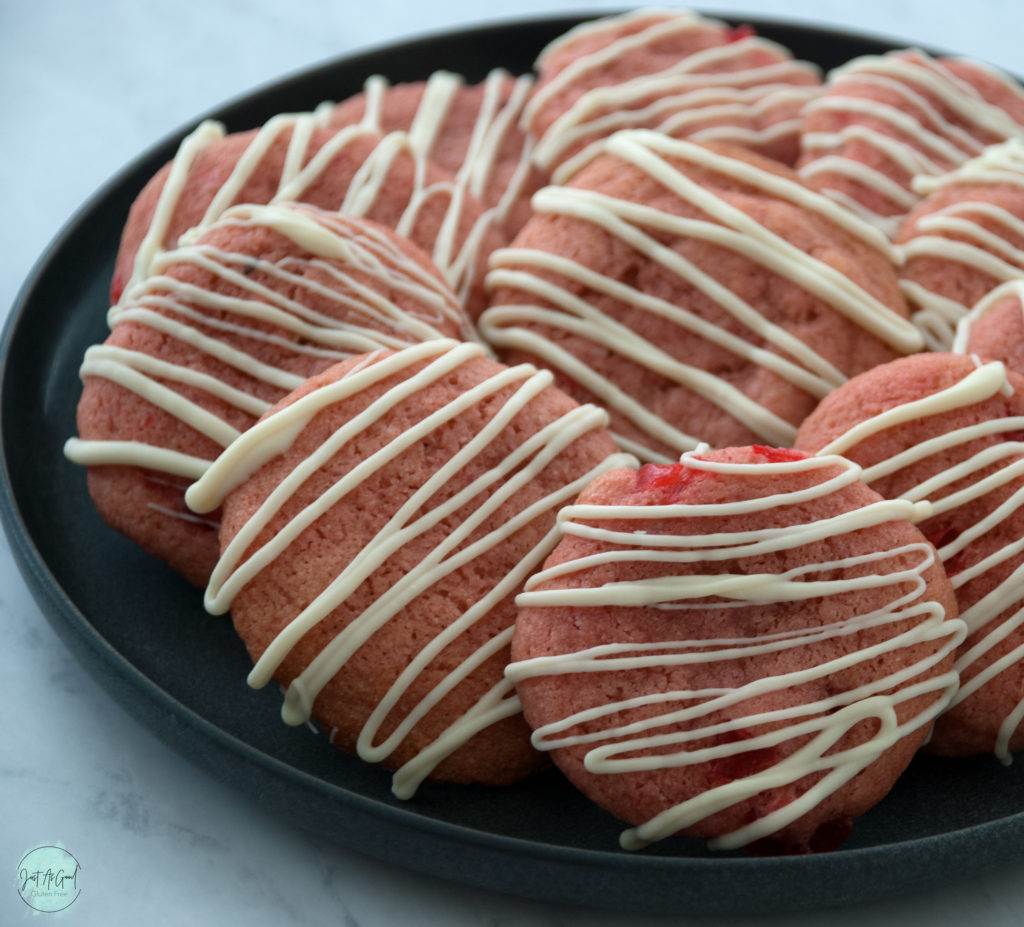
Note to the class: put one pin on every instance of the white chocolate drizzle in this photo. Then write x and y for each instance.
(509, 326)
(159, 224)
(345, 253)
(912, 146)
(712, 93)
(981, 384)
(982, 242)
(667, 738)
(414, 516)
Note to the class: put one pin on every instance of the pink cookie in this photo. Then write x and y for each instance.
(949, 430)
(700, 293)
(219, 331)
(747, 647)
(673, 71)
(994, 328)
(963, 239)
(884, 120)
(378, 523)
(470, 130)
(353, 169)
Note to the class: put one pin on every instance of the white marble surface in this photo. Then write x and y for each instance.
(86, 86)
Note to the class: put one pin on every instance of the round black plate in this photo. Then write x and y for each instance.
(145, 636)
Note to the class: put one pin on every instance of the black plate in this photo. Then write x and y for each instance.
(181, 673)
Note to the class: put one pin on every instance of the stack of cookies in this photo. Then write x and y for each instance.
(658, 414)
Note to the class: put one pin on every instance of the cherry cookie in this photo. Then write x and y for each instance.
(949, 430)
(964, 239)
(700, 293)
(470, 130)
(674, 71)
(220, 330)
(746, 647)
(378, 523)
(883, 120)
(994, 328)
(303, 157)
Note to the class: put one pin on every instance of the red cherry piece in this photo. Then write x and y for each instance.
(778, 454)
(741, 32)
(739, 765)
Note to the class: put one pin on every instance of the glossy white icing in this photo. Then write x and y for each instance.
(981, 384)
(509, 326)
(359, 269)
(417, 514)
(685, 717)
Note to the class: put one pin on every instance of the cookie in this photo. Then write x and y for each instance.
(470, 130)
(963, 239)
(220, 330)
(949, 430)
(378, 523)
(673, 71)
(883, 120)
(301, 157)
(745, 647)
(698, 292)
(994, 328)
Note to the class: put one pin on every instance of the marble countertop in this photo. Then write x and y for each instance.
(87, 87)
